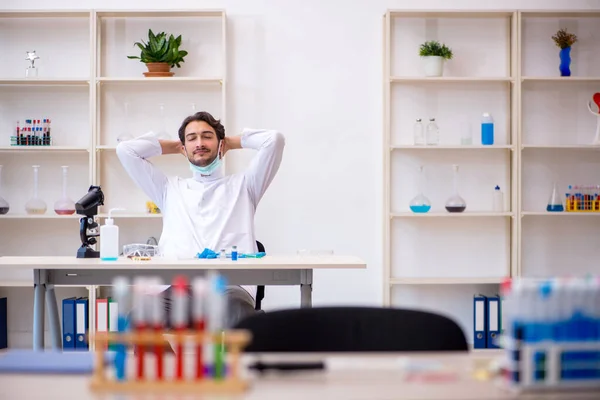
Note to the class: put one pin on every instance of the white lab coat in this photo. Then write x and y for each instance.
(214, 211)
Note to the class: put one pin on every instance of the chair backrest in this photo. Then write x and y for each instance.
(260, 290)
(352, 329)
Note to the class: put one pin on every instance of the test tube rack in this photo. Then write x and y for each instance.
(584, 198)
(553, 365)
(231, 382)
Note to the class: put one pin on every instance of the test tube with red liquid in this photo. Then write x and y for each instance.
(157, 321)
(140, 290)
(199, 311)
(179, 319)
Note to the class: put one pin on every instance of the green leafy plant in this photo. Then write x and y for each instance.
(435, 48)
(564, 39)
(161, 49)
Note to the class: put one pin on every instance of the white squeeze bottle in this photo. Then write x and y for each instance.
(109, 238)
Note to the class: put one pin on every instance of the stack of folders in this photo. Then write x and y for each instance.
(3, 323)
(487, 321)
(76, 320)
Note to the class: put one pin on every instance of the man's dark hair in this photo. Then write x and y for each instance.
(206, 117)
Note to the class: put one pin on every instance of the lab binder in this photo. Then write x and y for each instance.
(480, 322)
(82, 325)
(494, 325)
(3, 323)
(68, 322)
(101, 315)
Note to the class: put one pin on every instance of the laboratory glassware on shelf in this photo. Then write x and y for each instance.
(420, 203)
(35, 132)
(162, 129)
(466, 133)
(433, 133)
(555, 202)
(126, 133)
(419, 133)
(65, 205)
(583, 198)
(4, 207)
(455, 203)
(35, 205)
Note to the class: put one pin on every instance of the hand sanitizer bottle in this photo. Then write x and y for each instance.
(109, 238)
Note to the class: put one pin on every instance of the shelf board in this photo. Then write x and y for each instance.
(159, 13)
(44, 82)
(131, 215)
(446, 281)
(560, 79)
(49, 215)
(57, 149)
(560, 14)
(450, 147)
(16, 283)
(444, 214)
(561, 146)
(560, 214)
(458, 79)
(44, 14)
(450, 14)
(140, 79)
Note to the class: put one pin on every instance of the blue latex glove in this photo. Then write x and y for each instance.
(207, 253)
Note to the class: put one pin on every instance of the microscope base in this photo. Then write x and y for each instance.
(87, 252)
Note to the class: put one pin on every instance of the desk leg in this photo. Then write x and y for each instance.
(55, 330)
(306, 288)
(38, 310)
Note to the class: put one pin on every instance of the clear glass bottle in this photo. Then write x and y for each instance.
(126, 134)
(64, 206)
(420, 203)
(162, 130)
(419, 133)
(433, 133)
(455, 203)
(35, 205)
(4, 206)
(466, 134)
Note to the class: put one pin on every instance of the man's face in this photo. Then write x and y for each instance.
(201, 143)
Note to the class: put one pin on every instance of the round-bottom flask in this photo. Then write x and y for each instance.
(420, 203)
(35, 205)
(4, 207)
(455, 203)
(64, 206)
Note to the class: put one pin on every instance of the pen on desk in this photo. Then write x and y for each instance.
(122, 296)
(179, 313)
(199, 294)
(157, 315)
(139, 315)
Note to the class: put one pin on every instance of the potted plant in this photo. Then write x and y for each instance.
(434, 54)
(160, 54)
(564, 40)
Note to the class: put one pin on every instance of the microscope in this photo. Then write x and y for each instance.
(88, 207)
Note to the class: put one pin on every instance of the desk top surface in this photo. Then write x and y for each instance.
(266, 262)
(349, 377)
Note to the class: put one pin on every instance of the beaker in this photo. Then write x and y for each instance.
(126, 134)
(420, 203)
(64, 206)
(35, 205)
(555, 203)
(455, 203)
(4, 207)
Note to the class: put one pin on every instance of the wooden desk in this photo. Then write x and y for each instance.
(50, 271)
(370, 377)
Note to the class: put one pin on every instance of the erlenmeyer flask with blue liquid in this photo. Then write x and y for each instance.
(555, 202)
(420, 203)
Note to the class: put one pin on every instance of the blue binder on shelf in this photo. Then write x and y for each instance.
(82, 323)
(68, 323)
(494, 321)
(3, 323)
(480, 322)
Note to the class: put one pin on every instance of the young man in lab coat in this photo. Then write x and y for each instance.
(209, 210)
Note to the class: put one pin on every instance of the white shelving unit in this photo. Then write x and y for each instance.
(83, 89)
(439, 260)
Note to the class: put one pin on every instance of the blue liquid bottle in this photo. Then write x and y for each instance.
(487, 130)
(420, 203)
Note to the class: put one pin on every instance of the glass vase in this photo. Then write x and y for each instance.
(420, 203)
(455, 203)
(4, 207)
(35, 205)
(64, 206)
(565, 61)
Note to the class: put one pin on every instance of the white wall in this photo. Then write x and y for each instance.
(313, 70)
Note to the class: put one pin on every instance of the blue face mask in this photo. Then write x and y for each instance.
(210, 168)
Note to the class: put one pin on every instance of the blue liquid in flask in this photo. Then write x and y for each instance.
(555, 208)
(420, 209)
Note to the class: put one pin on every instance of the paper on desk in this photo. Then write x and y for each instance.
(53, 362)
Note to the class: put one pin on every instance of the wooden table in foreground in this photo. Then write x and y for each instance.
(268, 270)
(368, 377)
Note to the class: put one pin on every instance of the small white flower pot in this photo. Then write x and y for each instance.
(434, 65)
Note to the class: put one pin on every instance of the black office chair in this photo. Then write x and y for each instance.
(352, 329)
(260, 290)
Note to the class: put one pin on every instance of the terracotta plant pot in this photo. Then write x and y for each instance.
(158, 70)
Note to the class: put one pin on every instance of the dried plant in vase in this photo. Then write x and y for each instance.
(160, 54)
(434, 53)
(564, 40)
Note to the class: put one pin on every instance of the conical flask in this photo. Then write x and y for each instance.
(35, 205)
(455, 203)
(64, 206)
(4, 207)
(420, 203)
(555, 202)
